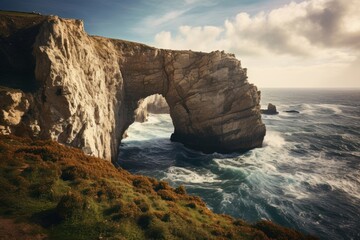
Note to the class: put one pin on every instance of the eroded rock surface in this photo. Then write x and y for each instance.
(13, 105)
(89, 88)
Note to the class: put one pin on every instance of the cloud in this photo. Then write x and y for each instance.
(297, 29)
(313, 43)
(204, 38)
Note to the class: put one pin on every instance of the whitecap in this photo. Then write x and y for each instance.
(179, 174)
(157, 126)
(321, 109)
(274, 139)
(227, 200)
(230, 163)
(332, 107)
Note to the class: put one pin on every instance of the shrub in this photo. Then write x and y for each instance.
(47, 153)
(239, 222)
(142, 205)
(143, 183)
(166, 217)
(33, 158)
(157, 231)
(161, 186)
(73, 172)
(42, 190)
(41, 172)
(112, 192)
(145, 220)
(70, 205)
(274, 231)
(217, 231)
(191, 205)
(129, 210)
(167, 195)
(113, 209)
(180, 190)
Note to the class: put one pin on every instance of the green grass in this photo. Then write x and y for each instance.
(72, 196)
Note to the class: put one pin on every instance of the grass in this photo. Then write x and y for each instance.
(68, 195)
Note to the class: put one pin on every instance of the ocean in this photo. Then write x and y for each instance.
(306, 176)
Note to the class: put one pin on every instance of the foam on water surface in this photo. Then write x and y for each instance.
(183, 175)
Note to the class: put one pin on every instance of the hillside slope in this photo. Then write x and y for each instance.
(56, 192)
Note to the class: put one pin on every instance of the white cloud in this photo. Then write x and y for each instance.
(318, 33)
(295, 29)
(203, 38)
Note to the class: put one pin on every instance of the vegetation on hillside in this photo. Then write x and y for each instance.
(59, 193)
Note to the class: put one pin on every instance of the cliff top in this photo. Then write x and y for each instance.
(11, 22)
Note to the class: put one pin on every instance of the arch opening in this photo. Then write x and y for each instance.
(148, 137)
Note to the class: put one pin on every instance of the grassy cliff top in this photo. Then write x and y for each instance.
(49, 191)
(11, 22)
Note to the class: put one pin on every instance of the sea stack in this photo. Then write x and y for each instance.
(85, 89)
(271, 110)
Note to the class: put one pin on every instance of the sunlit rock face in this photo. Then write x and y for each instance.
(90, 87)
(13, 105)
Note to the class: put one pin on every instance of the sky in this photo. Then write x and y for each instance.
(299, 43)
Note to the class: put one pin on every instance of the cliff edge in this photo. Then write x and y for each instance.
(82, 90)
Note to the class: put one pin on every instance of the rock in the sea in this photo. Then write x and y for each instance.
(292, 111)
(89, 87)
(271, 110)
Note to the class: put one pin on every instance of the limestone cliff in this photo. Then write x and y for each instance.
(89, 87)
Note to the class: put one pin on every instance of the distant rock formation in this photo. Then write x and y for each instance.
(271, 110)
(153, 104)
(292, 111)
(85, 89)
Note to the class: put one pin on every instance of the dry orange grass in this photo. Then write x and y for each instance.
(69, 195)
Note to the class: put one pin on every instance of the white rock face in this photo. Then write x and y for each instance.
(91, 86)
(82, 88)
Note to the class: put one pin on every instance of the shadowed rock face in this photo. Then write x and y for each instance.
(91, 86)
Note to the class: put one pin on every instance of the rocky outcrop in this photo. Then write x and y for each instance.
(271, 110)
(292, 111)
(89, 88)
(13, 105)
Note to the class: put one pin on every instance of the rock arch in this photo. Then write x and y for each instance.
(212, 105)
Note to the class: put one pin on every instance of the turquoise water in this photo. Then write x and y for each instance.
(306, 176)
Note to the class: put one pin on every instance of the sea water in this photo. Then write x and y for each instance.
(306, 176)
